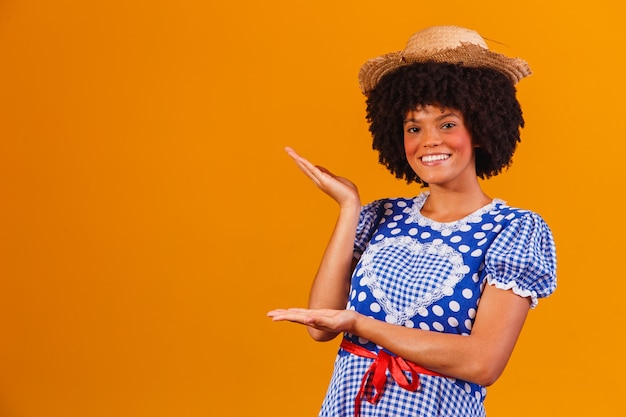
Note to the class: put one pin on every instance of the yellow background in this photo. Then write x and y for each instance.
(149, 217)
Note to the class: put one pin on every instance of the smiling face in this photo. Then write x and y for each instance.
(439, 147)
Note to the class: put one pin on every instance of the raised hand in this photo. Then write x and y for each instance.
(340, 189)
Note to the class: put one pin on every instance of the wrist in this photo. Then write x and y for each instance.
(351, 201)
(350, 206)
(359, 324)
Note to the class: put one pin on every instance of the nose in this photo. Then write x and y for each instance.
(430, 138)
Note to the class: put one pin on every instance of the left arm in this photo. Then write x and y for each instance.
(480, 357)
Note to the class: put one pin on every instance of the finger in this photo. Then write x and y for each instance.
(296, 157)
(291, 152)
(305, 166)
(299, 315)
(303, 162)
(275, 312)
(292, 317)
(325, 171)
(290, 313)
(300, 310)
(314, 173)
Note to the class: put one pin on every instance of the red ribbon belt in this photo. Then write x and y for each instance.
(373, 382)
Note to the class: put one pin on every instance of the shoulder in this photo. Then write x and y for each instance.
(520, 234)
(504, 214)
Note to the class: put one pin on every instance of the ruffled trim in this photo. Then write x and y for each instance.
(416, 216)
(512, 285)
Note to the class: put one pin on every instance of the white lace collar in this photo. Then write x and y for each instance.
(415, 215)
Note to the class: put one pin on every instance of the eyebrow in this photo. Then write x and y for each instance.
(443, 116)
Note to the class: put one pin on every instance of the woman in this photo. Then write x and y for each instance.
(431, 292)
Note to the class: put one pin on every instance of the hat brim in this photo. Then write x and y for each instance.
(466, 55)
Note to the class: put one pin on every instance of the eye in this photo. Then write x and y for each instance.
(413, 129)
(448, 125)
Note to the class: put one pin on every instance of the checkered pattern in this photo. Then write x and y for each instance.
(409, 274)
(515, 255)
(428, 401)
(418, 273)
(370, 217)
(425, 269)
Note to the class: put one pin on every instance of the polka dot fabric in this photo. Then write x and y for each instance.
(418, 273)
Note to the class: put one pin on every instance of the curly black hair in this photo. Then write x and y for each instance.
(485, 97)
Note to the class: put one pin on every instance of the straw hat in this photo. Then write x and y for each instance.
(449, 44)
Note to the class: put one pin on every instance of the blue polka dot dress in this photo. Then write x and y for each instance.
(422, 274)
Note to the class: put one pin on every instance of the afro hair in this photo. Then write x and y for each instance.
(485, 97)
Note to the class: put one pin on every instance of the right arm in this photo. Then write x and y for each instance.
(332, 282)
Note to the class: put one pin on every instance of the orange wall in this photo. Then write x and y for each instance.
(149, 217)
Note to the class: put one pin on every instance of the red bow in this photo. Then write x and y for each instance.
(373, 382)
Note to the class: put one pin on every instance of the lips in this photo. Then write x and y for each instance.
(434, 158)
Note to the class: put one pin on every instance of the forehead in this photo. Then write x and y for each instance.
(432, 110)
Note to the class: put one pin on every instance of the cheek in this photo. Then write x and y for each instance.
(409, 146)
(463, 143)
(470, 148)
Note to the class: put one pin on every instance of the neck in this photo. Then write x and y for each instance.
(447, 205)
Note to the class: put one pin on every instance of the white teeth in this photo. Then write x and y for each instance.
(431, 158)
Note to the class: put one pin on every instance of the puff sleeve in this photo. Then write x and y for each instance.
(369, 219)
(523, 258)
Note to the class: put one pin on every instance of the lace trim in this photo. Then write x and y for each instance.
(458, 270)
(416, 216)
(512, 285)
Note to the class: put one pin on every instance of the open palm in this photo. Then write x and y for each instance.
(340, 189)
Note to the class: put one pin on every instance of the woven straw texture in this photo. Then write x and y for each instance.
(443, 44)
